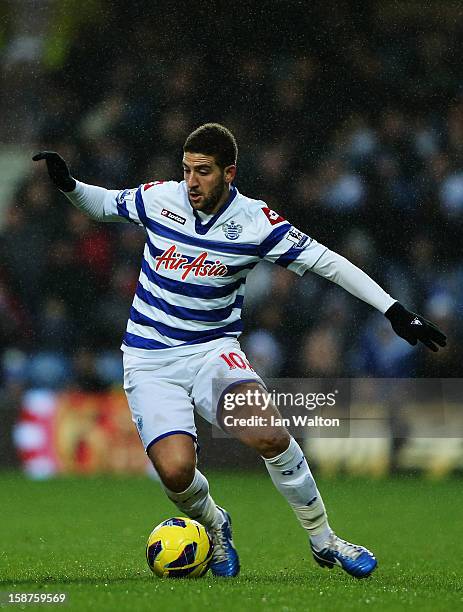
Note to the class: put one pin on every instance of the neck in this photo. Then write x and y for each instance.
(223, 198)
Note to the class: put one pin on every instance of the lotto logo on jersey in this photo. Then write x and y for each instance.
(170, 215)
(272, 216)
(171, 259)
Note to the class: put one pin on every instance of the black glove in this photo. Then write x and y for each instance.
(412, 327)
(57, 169)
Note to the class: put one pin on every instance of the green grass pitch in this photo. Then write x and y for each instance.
(86, 537)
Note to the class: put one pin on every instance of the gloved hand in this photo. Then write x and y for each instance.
(57, 169)
(412, 327)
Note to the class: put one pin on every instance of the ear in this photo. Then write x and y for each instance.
(229, 174)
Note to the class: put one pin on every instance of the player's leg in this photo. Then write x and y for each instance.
(162, 411)
(227, 370)
(291, 475)
(174, 458)
(227, 374)
(283, 457)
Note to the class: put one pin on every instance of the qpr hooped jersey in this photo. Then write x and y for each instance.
(193, 273)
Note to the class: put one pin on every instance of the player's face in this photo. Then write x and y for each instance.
(208, 184)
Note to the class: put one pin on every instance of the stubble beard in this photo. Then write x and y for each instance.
(213, 199)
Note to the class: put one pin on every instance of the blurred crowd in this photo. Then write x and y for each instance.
(349, 125)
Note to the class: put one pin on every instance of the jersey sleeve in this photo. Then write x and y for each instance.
(285, 245)
(344, 273)
(138, 205)
(126, 205)
(105, 204)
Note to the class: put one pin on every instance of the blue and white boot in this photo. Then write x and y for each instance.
(225, 561)
(356, 560)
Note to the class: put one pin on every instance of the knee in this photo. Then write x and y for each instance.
(174, 459)
(175, 475)
(272, 444)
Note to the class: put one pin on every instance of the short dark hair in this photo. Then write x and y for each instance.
(213, 139)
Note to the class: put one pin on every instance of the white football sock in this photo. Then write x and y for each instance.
(291, 475)
(196, 502)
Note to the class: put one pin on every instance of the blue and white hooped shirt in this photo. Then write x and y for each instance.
(193, 274)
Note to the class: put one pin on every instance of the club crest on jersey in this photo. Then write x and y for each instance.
(171, 259)
(232, 230)
(297, 237)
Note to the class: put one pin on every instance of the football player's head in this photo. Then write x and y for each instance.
(209, 166)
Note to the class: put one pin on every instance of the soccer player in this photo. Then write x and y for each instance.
(202, 239)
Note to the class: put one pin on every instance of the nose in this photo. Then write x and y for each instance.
(192, 180)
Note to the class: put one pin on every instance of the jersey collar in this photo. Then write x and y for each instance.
(201, 228)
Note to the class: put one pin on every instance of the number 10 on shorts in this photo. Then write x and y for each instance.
(233, 361)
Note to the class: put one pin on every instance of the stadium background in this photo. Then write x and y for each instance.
(349, 117)
(349, 121)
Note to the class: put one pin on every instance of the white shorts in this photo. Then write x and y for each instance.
(164, 392)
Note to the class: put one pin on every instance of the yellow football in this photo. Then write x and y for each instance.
(179, 548)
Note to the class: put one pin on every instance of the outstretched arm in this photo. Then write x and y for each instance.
(406, 324)
(99, 203)
(287, 246)
(341, 271)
